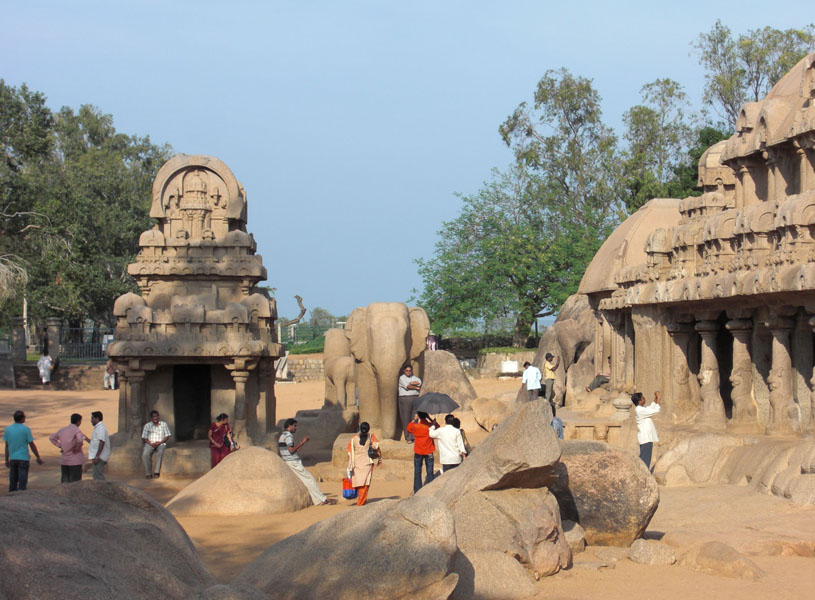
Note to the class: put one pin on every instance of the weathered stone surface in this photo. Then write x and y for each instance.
(575, 536)
(233, 591)
(388, 549)
(716, 558)
(651, 552)
(443, 374)
(522, 452)
(579, 375)
(489, 412)
(491, 574)
(522, 523)
(251, 481)
(605, 489)
(696, 455)
(610, 553)
(88, 540)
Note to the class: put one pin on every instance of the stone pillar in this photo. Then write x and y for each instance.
(18, 341)
(617, 351)
(744, 408)
(135, 403)
(678, 396)
(629, 351)
(804, 168)
(54, 325)
(123, 388)
(712, 414)
(240, 378)
(740, 174)
(782, 407)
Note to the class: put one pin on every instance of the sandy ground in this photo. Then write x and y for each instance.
(764, 526)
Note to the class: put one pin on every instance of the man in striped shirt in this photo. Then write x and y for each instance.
(154, 435)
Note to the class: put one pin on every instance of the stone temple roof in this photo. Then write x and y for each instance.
(625, 247)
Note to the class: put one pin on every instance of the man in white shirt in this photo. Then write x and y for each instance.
(646, 431)
(154, 435)
(288, 452)
(409, 388)
(451, 444)
(532, 379)
(99, 450)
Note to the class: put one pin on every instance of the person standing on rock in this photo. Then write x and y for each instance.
(451, 445)
(18, 440)
(288, 452)
(646, 430)
(360, 461)
(409, 388)
(154, 435)
(99, 448)
(69, 440)
(423, 448)
(532, 379)
(550, 365)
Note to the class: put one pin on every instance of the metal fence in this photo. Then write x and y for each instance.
(84, 343)
(302, 333)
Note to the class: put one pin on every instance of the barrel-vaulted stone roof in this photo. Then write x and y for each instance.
(625, 247)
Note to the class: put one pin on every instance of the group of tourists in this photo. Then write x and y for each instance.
(532, 379)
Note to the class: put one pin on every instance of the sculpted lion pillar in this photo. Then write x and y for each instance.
(681, 398)
(782, 407)
(713, 414)
(744, 408)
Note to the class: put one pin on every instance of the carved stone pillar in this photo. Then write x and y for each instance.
(811, 423)
(18, 341)
(712, 414)
(782, 407)
(744, 408)
(804, 168)
(617, 350)
(123, 387)
(135, 403)
(240, 377)
(679, 398)
(54, 325)
(629, 352)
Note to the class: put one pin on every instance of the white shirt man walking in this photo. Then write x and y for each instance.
(646, 431)
(451, 444)
(288, 452)
(532, 379)
(99, 449)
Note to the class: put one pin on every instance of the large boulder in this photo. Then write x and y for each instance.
(692, 459)
(252, 481)
(520, 453)
(607, 490)
(716, 558)
(95, 539)
(491, 574)
(388, 549)
(489, 412)
(443, 374)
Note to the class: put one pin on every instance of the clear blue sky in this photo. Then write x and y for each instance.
(350, 124)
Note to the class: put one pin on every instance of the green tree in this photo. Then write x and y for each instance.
(77, 196)
(658, 133)
(578, 160)
(509, 254)
(320, 317)
(743, 69)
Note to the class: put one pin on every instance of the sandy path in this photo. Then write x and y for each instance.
(744, 519)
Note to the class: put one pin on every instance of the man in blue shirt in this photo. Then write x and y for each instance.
(18, 438)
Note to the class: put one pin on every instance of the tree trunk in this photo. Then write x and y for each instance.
(523, 323)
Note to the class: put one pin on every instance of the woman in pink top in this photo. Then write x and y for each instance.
(69, 440)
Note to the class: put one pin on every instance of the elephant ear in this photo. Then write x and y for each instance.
(356, 330)
(419, 329)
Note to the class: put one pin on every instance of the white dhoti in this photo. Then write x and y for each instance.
(317, 496)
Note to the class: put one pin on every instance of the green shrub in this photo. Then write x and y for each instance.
(313, 347)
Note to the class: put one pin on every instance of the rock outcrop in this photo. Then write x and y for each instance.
(520, 453)
(716, 558)
(489, 412)
(443, 374)
(607, 490)
(251, 481)
(95, 539)
(389, 549)
(651, 552)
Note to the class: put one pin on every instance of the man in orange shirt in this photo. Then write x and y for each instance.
(423, 448)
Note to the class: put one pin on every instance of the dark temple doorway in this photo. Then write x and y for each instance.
(191, 400)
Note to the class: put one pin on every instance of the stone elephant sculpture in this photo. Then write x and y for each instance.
(340, 372)
(385, 336)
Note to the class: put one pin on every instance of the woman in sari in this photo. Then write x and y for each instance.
(219, 444)
(360, 464)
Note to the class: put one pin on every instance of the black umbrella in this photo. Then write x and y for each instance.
(434, 403)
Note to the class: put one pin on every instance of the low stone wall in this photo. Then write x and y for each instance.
(489, 365)
(74, 377)
(306, 367)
